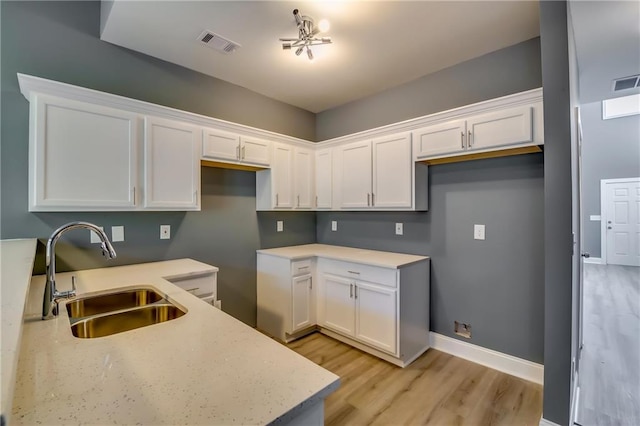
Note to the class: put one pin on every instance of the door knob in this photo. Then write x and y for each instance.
(608, 227)
(586, 255)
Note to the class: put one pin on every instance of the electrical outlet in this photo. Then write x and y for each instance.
(279, 226)
(94, 236)
(117, 233)
(165, 232)
(334, 225)
(399, 230)
(478, 232)
(462, 329)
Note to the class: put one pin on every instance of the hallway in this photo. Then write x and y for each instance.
(610, 366)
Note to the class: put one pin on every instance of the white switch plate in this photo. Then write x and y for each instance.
(165, 232)
(117, 233)
(279, 226)
(478, 232)
(334, 225)
(399, 229)
(94, 236)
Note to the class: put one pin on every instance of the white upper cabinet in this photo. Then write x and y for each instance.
(281, 173)
(392, 168)
(82, 156)
(303, 166)
(439, 139)
(232, 148)
(171, 165)
(324, 179)
(356, 175)
(501, 128)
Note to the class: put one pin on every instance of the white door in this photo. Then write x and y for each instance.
(356, 175)
(440, 139)
(83, 156)
(505, 127)
(622, 218)
(171, 165)
(338, 305)
(302, 303)
(281, 173)
(303, 178)
(221, 145)
(255, 151)
(392, 166)
(324, 179)
(376, 316)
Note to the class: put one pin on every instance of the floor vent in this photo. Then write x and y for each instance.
(217, 42)
(626, 83)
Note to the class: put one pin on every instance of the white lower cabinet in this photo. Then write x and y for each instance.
(376, 316)
(301, 303)
(338, 307)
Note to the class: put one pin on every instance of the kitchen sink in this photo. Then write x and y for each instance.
(106, 325)
(100, 304)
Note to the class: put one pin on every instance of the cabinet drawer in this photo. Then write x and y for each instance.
(199, 285)
(359, 271)
(300, 267)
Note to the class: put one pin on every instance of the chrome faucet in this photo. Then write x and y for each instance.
(51, 294)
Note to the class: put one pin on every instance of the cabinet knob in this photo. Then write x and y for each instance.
(462, 140)
(469, 139)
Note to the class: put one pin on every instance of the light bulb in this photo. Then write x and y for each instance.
(324, 25)
(310, 54)
(299, 51)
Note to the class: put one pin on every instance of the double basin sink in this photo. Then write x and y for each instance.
(116, 312)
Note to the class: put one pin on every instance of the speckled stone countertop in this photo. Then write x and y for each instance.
(202, 368)
(369, 257)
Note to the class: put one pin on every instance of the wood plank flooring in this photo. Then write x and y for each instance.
(610, 364)
(436, 389)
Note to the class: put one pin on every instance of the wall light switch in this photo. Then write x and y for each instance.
(399, 229)
(478, 232)
(94, 236)
(334, 225)
(117, 233)
(279, 226)
(165, 232)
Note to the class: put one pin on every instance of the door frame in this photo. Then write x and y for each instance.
(603, 210)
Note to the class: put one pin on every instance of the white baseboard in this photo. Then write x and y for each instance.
(545, 422)
(493, 359)
(594, 260)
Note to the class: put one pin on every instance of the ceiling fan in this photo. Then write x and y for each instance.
(306, 36)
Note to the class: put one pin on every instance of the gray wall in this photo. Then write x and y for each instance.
(60, 41)
(559, 266)
(496, 284)
(610, 150)
(499, 73)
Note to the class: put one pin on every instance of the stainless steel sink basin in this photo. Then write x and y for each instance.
(106, 325)
(100, 304)
(122, 310)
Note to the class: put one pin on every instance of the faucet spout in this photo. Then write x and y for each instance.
(51, 294)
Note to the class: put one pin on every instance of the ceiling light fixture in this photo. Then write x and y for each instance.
(306, 35)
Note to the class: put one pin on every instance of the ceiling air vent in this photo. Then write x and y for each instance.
(217, 42)
(626, 83)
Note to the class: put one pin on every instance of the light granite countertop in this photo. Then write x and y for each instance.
(205, 367)
(369, 257)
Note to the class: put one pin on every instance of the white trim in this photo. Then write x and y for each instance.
(594, 260)
(603, 213)
(509, 364)
(545, 422)
(624, 106)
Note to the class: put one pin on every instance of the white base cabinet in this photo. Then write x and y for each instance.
(380, 310)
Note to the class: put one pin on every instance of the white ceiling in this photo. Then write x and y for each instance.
(607, 36)
(377, 44)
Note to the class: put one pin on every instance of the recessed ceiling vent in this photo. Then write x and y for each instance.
(217, 42)
(626, 83)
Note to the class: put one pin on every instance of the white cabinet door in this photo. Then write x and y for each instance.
(356, 175)
(392, 166)
(171, 165)
(440, 139)
(281, 175)
(220, 145)
(83, 156)
(303, 178)
(376, 313)
(506, 127)
(338, 309)
(255, 151)
(324, 180)
(301, 308)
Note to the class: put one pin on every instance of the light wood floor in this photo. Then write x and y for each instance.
(610, 364)
(436, 389)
